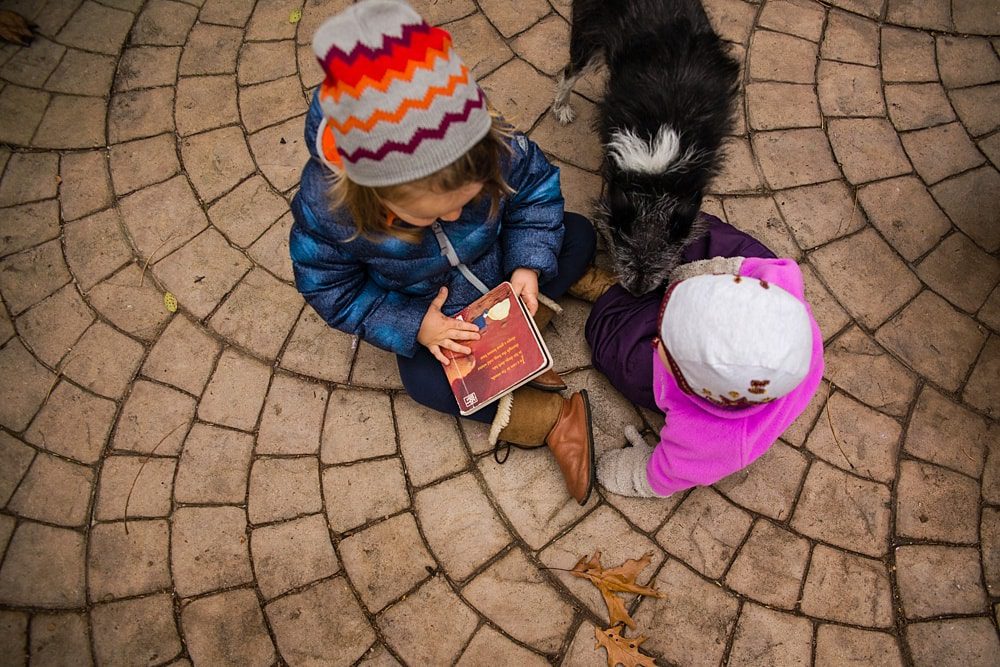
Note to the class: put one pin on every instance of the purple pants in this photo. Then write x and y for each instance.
(621, 327)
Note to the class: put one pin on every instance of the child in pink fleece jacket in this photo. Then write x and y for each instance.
(738, 358)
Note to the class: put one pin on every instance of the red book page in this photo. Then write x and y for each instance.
(507, 354)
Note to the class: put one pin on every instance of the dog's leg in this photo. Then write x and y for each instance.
(583, 51)
(560, 107)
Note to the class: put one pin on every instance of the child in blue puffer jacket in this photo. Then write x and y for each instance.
(434, 200)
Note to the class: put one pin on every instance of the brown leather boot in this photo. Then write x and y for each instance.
(529, 418)
(591, 285)
(549, 380)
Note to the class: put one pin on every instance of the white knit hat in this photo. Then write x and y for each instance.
(735, 340)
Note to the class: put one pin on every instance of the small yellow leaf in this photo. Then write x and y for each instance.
(295, 16)
(170, 301)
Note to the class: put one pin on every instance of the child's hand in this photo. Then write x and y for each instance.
(439, 332)
(525, 282)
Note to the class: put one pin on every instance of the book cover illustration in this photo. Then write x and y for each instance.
(509, 352)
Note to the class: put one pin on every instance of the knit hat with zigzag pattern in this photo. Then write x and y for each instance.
(399, 104)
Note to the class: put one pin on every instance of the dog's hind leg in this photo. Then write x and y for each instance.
(583, 53)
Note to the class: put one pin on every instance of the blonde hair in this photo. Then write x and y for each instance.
(481, 164)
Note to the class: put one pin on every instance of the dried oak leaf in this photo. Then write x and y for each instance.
(617, 579)
(622, 650)
(15, 29)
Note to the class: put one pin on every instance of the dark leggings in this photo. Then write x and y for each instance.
(422, 374)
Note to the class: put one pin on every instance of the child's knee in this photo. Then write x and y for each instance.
(580, 231)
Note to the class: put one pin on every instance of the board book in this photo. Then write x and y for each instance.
(509, 353)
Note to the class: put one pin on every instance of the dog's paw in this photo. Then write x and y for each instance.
(564, 113)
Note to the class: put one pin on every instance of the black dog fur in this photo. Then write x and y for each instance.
(666, 110)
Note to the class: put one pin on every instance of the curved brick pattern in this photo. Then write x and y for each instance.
(238, 483)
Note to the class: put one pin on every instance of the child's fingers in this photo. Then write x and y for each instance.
(441, 297)
(436, 351)
(530, 302)
(455, 347)
(459, 334)
(463, 325)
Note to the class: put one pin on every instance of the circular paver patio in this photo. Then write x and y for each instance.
(237, 483)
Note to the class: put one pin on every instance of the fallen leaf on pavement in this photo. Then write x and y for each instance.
(617, 579)
(622, 650)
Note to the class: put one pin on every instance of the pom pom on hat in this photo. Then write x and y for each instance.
(734, 340)
(399, 103)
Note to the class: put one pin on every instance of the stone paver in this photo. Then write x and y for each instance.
(55, 637)
(124, 564)
(770, 566)
(857, 439)
(705, 532)
(95, 248)
(764, 636)
(358, 425)
(429, 627)
(73, 423)
(104, 361)
(983, 382)
(292, 417)
(151, 495)
(935, 503)
(947, 434)
(845, 510)
(227, 628)
(837, 644)
(514, 593)
(434, 451)
(847, 588)
(213, 466)
(183, 356)
(317, 350)
(54, 491)
(945, 347)
(701, 614)
(971, 641)
(857, 364)
(291, 554)
(154, 419)
(140, 630)
(305, 634)
(770, 484)
(385, 561)
(489, 647)
(258, 314)
(866, 276)
(43, 567)
(272, 474)
(953, 588)
(235, 375)
(204, 561)
(461, 528)
(283, 489)
(365, 491)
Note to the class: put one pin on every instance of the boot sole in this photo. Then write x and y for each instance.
(546, 387)
(590, 437)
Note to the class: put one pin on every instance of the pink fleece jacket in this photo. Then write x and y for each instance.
(701, 443)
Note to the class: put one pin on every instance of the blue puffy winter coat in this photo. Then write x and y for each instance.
(380, 289)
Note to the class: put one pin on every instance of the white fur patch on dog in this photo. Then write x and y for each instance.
(633, 153)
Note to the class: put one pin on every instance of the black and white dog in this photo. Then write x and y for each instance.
(667, 107)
